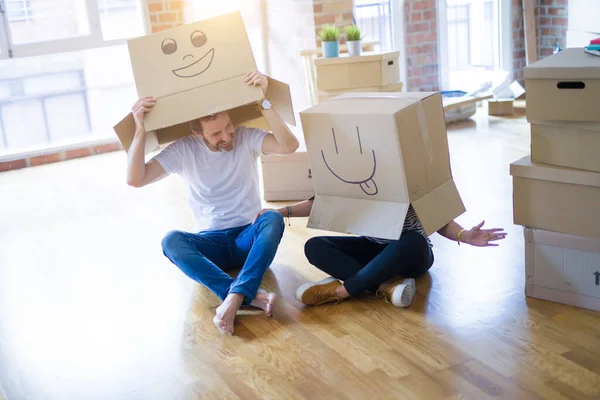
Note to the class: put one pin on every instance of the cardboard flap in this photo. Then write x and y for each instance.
(125, 131)
(279, 95)
(524, 168)
(561, 240)
(439, 207)
(381, 219)
(199, 102)
(571, 64)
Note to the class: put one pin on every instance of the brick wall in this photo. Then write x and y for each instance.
(551, 25)
(165, 14)
(335, 12)
(421, 51)
(551, 22)
(518, 38)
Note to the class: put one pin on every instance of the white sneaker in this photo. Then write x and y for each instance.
(400, 295)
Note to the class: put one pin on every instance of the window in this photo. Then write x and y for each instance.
(65, 73)
(373, 17)
(34, 27)
(20, 10)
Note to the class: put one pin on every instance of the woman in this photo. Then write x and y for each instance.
(369, 264)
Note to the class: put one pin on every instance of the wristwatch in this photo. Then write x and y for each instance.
(264, 105)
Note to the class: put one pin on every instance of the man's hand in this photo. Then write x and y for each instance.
(255, 78)
(140, 108)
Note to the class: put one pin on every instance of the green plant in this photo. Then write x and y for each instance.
(352, 33)
(329, 33)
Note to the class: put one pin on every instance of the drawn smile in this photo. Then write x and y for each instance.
(197, 67)
(367, 185)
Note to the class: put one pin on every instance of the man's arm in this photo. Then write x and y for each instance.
(282, 140)
(138, 172)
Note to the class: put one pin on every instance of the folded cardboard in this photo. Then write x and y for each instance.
(555, 198)
(564, 87)
(562, 268)
(196, 70)
(393, 87)
(374, 154)
(287, 177)
(567, 144)
(460, 108)
(366, 70)
(500, 107)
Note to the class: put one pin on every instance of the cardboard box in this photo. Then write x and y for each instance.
(564, 87)
(393, 87)
(568, 144)
(374, 154)
(287, 177)
(196, 70)
(500, 107)
(556, 199)
(366, 70)
(562, 268)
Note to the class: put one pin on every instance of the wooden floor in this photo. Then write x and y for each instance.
(91, 309)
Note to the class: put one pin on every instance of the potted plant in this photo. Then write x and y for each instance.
(330, 35)
(353, 40)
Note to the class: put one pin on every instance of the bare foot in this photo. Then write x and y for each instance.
(265, 301)
(227, 311)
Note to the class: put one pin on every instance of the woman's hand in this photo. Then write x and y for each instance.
(482, 237)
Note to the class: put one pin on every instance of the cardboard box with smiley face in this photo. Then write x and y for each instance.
(374, 154)
(196, 70)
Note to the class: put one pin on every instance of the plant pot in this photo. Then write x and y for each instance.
(354, 47)
(330, 49)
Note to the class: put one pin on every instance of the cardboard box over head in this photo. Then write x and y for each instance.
(374, 154)
(196, 70)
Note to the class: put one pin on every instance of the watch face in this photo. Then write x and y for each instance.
(266, 104)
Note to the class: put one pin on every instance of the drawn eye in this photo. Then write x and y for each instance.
(169, 46)
(198, 39)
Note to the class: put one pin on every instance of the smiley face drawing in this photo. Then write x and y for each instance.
(365, 181)
(196, 63)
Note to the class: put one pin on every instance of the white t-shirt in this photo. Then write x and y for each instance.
(222, 186)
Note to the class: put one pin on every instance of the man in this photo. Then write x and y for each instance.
(218, 163)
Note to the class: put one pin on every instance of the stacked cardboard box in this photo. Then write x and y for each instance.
(369, 72)
(556, 189)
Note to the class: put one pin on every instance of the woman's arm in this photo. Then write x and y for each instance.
(475, 236)
(301, 209)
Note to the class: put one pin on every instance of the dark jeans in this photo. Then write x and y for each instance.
(205, 256)
(364, 264)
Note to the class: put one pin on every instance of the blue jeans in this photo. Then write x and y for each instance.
(206, 255)
(364, 264)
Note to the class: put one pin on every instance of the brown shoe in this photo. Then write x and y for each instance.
(315, 293)
(399, 294)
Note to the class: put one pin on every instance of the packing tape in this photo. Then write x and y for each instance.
(422, 118)
(424, 131)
